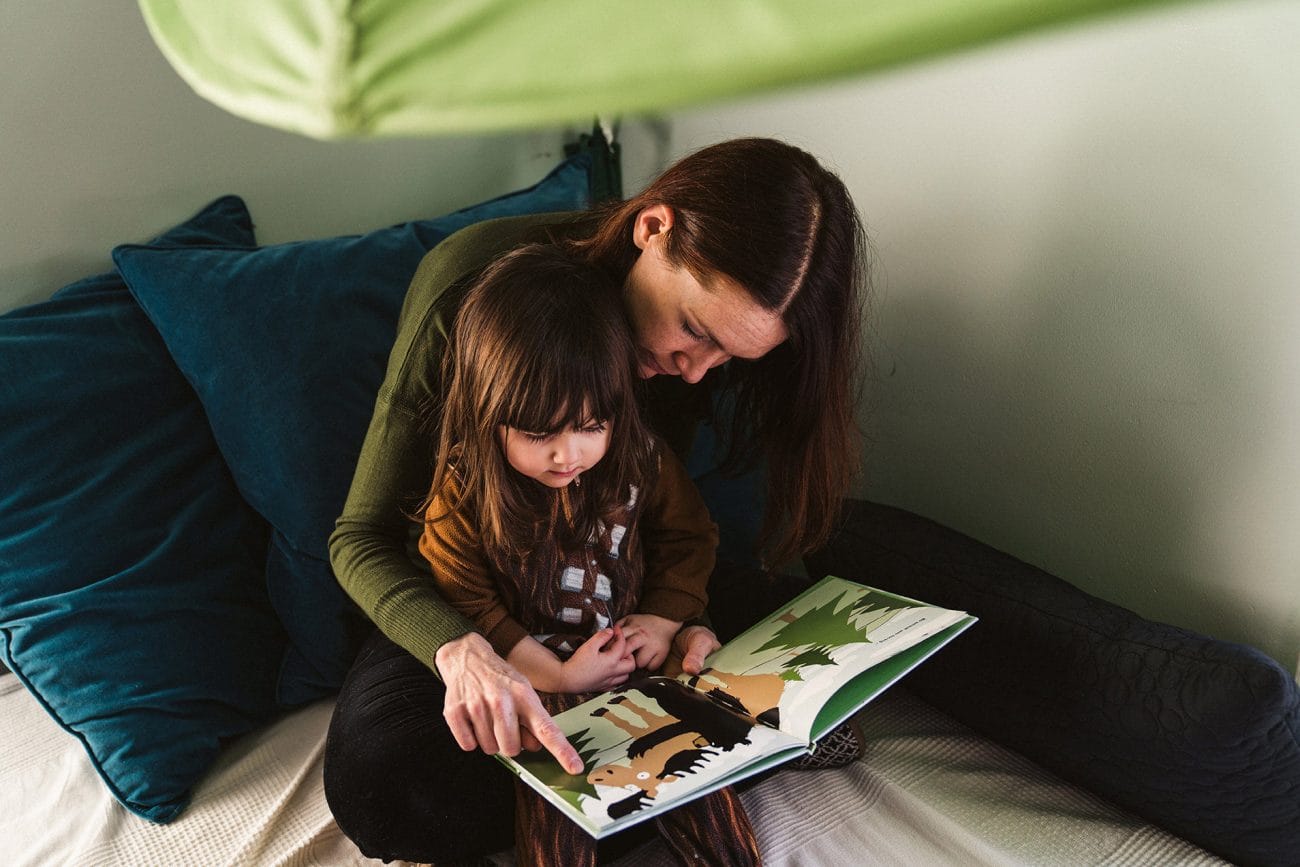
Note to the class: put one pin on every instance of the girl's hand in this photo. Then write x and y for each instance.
(690, 647)
(601, 662)
(649, 638)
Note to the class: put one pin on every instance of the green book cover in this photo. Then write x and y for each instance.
(761, 700)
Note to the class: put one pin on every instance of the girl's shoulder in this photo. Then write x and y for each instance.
(655, 444)
(449, 495)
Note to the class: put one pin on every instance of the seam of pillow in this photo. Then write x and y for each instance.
(288, 543)
(153, 813)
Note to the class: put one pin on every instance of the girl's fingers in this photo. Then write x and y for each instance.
(636, 640)
(616, 646)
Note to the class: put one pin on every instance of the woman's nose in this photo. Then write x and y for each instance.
(693, 365)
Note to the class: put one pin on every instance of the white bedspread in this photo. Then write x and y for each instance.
(928, 792)
(262, 805)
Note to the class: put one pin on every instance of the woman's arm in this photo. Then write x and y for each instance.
(371, 549)
(489, 705)
(462, 574)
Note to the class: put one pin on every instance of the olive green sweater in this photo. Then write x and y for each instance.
(373, 547)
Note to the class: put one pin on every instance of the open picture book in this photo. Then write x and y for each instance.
(762, 699)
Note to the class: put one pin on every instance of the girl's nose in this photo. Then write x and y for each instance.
(566, 449)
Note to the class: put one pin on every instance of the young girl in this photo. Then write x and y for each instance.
(559, 525)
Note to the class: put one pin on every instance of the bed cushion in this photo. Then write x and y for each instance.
(1200, 736)
(286, 346)
(132, 603)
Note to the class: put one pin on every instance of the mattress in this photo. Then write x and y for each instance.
(927, 792)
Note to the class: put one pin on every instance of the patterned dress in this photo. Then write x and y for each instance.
(573, 595)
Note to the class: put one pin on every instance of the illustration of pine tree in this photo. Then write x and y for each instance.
(820, 630)
(819, 627)
(878, 606)
(812, 656)
(571, 787)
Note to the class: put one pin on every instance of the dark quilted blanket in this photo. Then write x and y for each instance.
(1200, 736)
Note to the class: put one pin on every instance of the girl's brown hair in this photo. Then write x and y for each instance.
(540, 344)
(769, 216)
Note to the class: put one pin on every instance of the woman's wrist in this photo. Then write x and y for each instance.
(452, 654)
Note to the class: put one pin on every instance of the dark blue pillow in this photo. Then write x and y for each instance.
(132, 600)
(286, 346)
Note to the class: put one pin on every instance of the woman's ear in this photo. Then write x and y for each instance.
(653, 221)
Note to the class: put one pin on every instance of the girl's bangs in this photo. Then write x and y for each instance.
(556, 397)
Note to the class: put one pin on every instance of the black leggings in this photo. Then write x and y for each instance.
(401, 788)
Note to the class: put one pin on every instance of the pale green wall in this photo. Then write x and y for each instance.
(101, 143)
(1087, 322)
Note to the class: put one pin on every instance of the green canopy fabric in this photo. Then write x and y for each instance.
(332, 68)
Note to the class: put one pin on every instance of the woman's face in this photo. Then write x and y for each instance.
(684, 327)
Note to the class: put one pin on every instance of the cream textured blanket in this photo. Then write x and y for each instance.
(927, 792)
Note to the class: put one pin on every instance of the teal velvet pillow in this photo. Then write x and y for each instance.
(132, 600)
(286, 346)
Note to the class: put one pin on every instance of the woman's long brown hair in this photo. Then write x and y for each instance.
(769, 216)
(540, 344)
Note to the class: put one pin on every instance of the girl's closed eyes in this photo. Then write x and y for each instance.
(591, 428)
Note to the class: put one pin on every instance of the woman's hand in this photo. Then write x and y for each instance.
(649, 638)
(491, 706)
(601, 662)
(690, 646)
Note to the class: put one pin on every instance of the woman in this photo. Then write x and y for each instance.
(747, 252)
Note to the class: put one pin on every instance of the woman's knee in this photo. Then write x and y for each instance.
(395, 778)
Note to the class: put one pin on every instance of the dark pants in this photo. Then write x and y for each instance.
(399, 785)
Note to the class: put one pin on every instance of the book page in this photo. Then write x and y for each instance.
(658, 742)
(782, 670)
(645, 746)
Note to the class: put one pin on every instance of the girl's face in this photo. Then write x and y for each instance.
(555, 459)
(682, 327)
